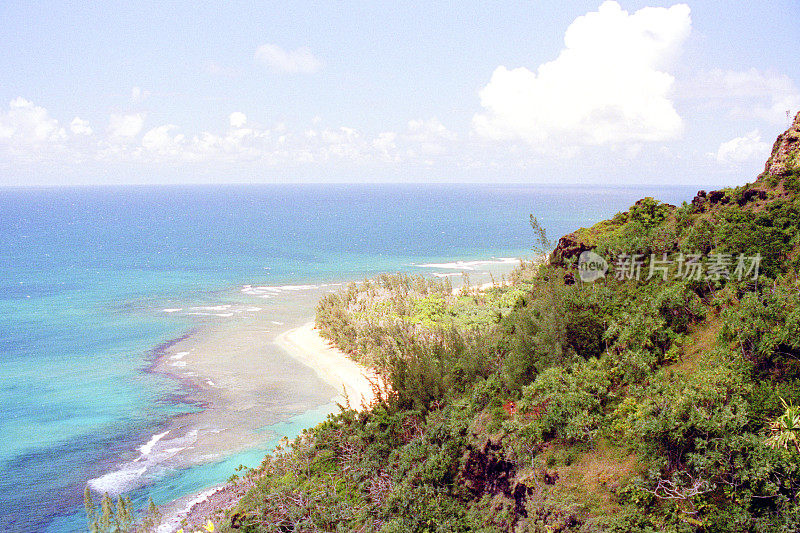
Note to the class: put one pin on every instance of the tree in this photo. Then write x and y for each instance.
(106, 514)
(152, 519)
(541, 245)
(123, 517)
(91, 510)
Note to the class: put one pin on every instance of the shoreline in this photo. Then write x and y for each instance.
(356, 387)
(355, 383)
(251, 384)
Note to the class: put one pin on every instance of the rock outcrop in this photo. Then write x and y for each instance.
(569, 246)
(784, 157)
(783, 161)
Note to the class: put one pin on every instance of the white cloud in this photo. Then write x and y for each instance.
(160, 141)
(237, 119)
(125, 126)
(429, 130)
(606, 86)
(743, 149)
(385, 144)
(299, 60)
(28, 133)
(749, 93)
(420, 142)
(79, 126)
(427, 137)
(25, 124)
(340, 135)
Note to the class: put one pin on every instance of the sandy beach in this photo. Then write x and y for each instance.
(353, 381)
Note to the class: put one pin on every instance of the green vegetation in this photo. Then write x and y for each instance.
(107, 519)
(631, 404)
(548, 404)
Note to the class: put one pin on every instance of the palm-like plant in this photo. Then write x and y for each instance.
(785, 430)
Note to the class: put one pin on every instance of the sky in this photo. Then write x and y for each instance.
(550, 91)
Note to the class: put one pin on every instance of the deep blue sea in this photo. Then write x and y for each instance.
(86, 275)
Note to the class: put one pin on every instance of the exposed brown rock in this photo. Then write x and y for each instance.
(699, 201)
(751, 194)
(718, 197)
(704, 200)
(784, 157)
(568, 246)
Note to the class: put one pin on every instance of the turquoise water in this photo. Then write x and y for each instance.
(86, 274)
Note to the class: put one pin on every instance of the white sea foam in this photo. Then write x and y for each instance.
(256, 291)
(179, 355)
(150, 464)
(471, 265)
(270, 290)
(148, 447)
(299, 287)
(223, 307)
(179, 363)
(118, 481)
(221, 310)
(447, 274)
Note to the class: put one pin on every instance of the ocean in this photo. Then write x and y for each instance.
(101, 285)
